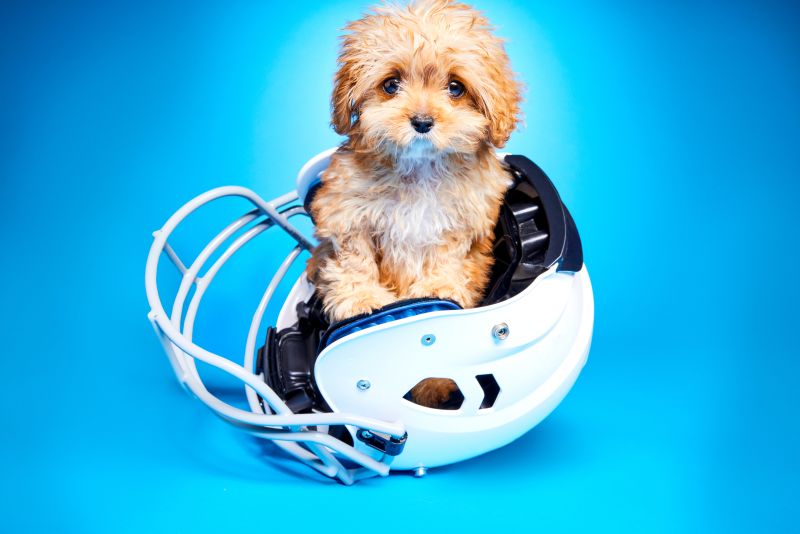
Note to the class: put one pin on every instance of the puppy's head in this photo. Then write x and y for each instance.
(427, 78)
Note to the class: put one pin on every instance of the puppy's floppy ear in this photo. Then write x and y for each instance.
(343, 103)
(498, 96)
(351, 81)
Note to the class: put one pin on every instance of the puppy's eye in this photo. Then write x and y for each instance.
(456, 88)
(391, 86)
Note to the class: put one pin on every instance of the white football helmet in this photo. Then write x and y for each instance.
(337, 397)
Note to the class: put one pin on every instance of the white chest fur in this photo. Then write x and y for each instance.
(410, 216)
(414, 216)
(412, 221)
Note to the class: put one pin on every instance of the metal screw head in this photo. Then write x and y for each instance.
(428, 340)
(420, 471)
(366, 434)
(363, 385)
(500, 331)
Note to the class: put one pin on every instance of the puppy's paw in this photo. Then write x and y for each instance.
(463, 296)
(433, 392)
(340, 306)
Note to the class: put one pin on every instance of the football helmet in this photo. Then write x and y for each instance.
(338, 396)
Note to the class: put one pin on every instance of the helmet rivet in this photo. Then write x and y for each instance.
(363, 385)
(420, 471)
(428, 340)
(366, 434)
(500, 331)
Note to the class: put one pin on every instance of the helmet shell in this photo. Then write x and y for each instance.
(549, 329)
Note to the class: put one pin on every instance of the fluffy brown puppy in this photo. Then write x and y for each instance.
(424, 94)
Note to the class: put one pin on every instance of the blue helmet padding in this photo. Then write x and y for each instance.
(312, 186)
(309, 197)
(387, 314)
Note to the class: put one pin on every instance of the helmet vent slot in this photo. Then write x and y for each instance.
(436, 393)
(491, 389)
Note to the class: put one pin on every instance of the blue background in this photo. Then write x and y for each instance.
(671, 131)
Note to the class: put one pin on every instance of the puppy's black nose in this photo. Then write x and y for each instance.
(422, 123)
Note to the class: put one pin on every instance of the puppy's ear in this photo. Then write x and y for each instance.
(351, 80)
(498, 96)
(343, 103)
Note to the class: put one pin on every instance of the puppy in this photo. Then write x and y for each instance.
(407, 207)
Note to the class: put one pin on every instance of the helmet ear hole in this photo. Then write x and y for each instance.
(436, 393)
(491, 389)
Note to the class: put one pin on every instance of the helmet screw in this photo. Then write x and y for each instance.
(366, 434)
(363, 385)
(420, 471)
(500, 331)
(428, 340)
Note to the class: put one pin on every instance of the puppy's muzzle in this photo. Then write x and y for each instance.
(422, 123)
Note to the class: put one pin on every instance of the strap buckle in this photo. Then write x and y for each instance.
(386, 443)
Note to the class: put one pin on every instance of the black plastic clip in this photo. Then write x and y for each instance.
(385, 443)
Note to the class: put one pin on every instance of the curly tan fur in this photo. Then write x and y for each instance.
(402, 214)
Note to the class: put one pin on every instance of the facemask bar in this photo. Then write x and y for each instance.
(271, 420)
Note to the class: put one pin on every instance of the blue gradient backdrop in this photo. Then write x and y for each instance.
(671, 131)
